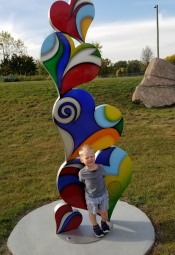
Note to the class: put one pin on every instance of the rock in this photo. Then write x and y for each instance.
(157, 89)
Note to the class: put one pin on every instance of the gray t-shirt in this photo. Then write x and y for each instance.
(95, 185)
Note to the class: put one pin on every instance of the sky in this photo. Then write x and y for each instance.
(123, 28)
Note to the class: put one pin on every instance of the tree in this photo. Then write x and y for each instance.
(171, 59)
(120, 64)
(5, 67)
(11, 46)
(20, 65)
(41, 69)
(133, 66)
(98, 46)
(146, 55)
(106, 67)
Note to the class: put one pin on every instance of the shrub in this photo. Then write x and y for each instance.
(33, 78)
(171, 59)
(10, 79)
(121, 71)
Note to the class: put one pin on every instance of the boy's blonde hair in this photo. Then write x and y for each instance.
(83, 148)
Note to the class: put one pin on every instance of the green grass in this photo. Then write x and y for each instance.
(31, 152)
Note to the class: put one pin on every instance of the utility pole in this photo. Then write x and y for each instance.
(157, 18)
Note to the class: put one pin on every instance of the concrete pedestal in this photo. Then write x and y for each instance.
(131, 233)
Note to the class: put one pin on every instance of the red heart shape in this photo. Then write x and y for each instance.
(84, 72)
(69, 187)
(66, 219)
(62, 17)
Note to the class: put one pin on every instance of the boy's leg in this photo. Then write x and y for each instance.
(104, 226)
(93, 219)
(97, 230)
(104, 206)
(104, 215)
(92, 208)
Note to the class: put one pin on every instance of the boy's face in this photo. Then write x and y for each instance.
(88, 158)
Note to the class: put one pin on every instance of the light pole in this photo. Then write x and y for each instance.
(3, 49)
(157, 16)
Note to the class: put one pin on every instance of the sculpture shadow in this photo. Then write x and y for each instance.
(131, 231)
(121, 231)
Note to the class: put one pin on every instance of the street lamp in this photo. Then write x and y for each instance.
(156, 6)
(3, 49)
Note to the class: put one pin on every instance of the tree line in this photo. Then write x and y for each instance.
(123, 67)
(16, 61)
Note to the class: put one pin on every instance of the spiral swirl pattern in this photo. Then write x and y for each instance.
(114, 189)
(63, 105)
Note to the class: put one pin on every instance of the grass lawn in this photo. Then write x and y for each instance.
(31, 152)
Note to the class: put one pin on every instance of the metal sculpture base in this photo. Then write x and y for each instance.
(84, 233)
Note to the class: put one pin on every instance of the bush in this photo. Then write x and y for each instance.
(171, 59)
(33, 78)
(121, 71)
(10, 79)
(13, 78)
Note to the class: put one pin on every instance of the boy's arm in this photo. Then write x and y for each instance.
(104, 172)
(80, 177)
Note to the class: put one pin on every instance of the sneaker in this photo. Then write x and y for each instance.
(105, 227)
(97, 231)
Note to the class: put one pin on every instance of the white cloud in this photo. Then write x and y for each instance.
(120, 40)
(125, 41)
(32, 38)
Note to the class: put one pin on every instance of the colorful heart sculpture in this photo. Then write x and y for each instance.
(73, 19)
(70, 188)
(118, 167)
(75, 115)
(66, 218)
(79, 122)
(69, 66)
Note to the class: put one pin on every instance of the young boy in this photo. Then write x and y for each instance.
(96, 194)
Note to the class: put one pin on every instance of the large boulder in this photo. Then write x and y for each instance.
(157, 88)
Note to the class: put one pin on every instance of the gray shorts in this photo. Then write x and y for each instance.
(97, 203)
